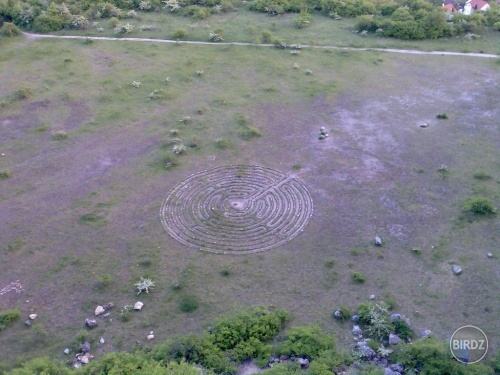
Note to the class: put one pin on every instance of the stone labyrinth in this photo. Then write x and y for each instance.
(237, 209)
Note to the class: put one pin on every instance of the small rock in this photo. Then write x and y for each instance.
(90, 323)
(322, 129)
(107, 315)
(66, 351)
(302, 361)
(108, 306)
(338, 314)
(84, 360)
(357, 331)
(27, 323)
(150, 337)
(372, 296)
(33, 316)
(77, 365)
(490, 255)
(355, 318)
(424, 125)
(322, 136)
(138, 342)
(138, 305)
(99, 310)
(86, 347)
(426, 333)
(398, 367)
(378, 241)
(388, 371)
(394, 339)
(101, 341)
(457, 270)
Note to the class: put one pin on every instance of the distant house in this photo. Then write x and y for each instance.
(472, 6)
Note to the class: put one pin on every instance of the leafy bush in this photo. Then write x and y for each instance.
(22, 93)
(10, 30)
(479, 206)
(308, 341)
(266, 36)
(402, 329)
(180, 33)
(7, 317)
(482, 176)
(303, 20)
(188, 303)
(442, 116)
(358, 277)
(59, 135)
(4, 174)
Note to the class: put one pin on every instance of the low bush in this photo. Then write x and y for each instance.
(180, 33)
(479, 206)
(188, 303)
(358, 277)
(59, 135)
(9, 30)
(7, 317)
(310, 341)
(482, 176)
(4, 174)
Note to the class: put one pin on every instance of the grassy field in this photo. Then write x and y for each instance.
(246, 26)
(79, 215)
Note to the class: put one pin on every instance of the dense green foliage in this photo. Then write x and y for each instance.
(7, 317)
(479, 206)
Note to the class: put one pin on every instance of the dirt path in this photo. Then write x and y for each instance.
(391, 50)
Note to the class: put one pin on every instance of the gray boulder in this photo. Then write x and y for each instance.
(388, 371)
(394, 339)
(457, 270)
(357, 331)
(378, 241)
(398, 367)
(86, 347)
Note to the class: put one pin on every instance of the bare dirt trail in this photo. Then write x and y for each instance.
(391, 50)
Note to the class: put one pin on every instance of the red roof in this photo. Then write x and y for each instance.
(479, 4)
(449, 8)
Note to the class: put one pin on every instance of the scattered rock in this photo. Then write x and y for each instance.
(151, 336)
(457, 270)
(99, 310)
(322, 133)
(86, 347)
(138, 305)
(490, 255)
(426, 333)
(388, 371)
(101, 341)
(338, 314)
(27, 323)
(33, 316)
(107, 315)
(138, 342)
(366, 352)
(398, 367)
(357, 331)
(90, 323)
(394, 339)
(372, 296)
(424, 125)
(303, 362)
(378, 241)
(396, 317)
(108, 306)
(355, 318)
(66, 351)
(284, 357)
(84, 360)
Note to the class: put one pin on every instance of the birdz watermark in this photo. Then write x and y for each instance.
(469, 344)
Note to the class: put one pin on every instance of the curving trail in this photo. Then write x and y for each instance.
(390, 50)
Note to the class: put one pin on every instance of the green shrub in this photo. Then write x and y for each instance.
(266, 36)
(104, 280)
(4, 174)
(42, 365)
(258, 323)
(479, 206)
(330, 263)
(358, 277)
(22, 93)
(7, 317)
(482, 176)
(223, 143)
(303, 20)
(46, 23)
(188, 303)
(59, 135)
(180, 33)
(442, 116)
(308, 341)
(402, 329)
(345, 313)
(10, 30)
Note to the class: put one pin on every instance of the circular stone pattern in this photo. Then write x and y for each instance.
(237, 209)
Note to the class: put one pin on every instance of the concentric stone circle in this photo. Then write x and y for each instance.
(237, 209)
